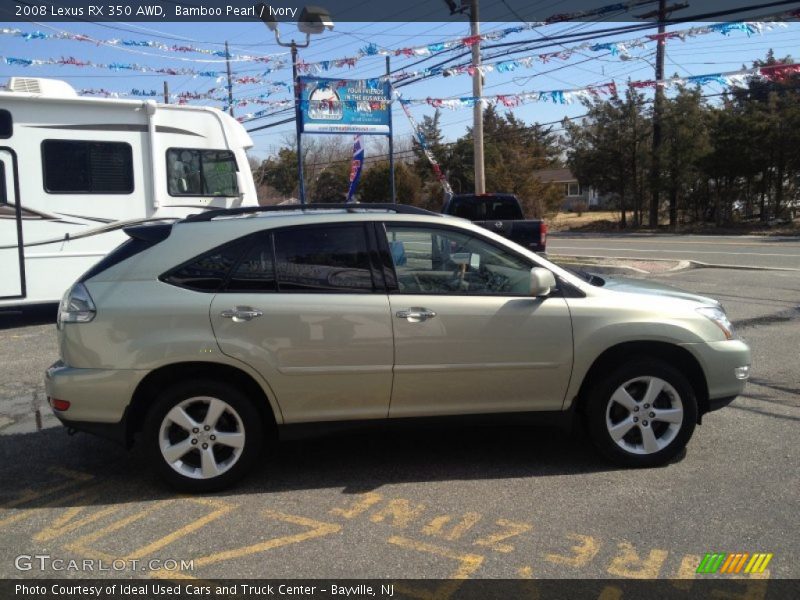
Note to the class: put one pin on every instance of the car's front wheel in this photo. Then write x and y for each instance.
(642, 414)
(202, 435)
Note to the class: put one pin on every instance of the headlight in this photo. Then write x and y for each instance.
(717, 315)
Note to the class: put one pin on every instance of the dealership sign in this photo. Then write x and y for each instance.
(345, 106)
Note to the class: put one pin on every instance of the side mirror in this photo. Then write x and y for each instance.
(542, 281)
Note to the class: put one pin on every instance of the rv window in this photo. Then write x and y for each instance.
(6, 124)
(201, 172)
(78, 167)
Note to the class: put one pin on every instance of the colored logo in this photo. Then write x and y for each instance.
(741, 562)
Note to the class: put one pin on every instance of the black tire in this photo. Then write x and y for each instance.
(235, 465)
(600, 407)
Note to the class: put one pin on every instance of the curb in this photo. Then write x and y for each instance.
(682, 264)
(696, 264)
(608, 270)
(575, 261)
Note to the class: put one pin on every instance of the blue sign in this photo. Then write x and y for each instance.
(345, 106)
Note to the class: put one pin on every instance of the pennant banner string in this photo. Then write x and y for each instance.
(372, 49)
(423, 144)
(130, 44)
(620, 50)
(122, 66)
(749, 28)
(778, 72)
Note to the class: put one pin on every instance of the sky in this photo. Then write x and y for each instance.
(710, 53)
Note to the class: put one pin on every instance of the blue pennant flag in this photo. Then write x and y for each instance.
(355, 167)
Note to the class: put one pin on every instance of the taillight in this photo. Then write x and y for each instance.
(59, 404)
(77, 306)
(543, 234)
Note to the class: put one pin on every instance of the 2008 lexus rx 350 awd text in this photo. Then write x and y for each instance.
(204, 338)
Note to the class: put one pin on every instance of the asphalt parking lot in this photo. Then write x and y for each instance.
(475, 502)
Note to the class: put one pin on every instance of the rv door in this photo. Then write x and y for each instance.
(12, 257)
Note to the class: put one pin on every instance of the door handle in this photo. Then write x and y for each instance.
(241, 313)
(415, 314)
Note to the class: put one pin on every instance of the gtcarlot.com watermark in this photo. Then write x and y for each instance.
(47, 563)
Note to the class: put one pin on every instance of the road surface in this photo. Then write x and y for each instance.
(747, 251)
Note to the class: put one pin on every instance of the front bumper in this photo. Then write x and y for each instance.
(720, 362)
(98, 397)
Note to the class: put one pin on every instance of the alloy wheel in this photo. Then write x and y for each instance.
(202, 437)
(644, 415)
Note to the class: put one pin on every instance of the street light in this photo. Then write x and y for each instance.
(313, 20)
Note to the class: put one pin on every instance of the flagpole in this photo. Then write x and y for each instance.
(391, 134)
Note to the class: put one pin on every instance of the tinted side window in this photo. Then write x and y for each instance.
(76, 167)
(434, 260)
(6, 124)
(256, 271)
(323, 259)
(209, 271)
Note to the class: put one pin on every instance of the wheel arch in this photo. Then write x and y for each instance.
(171, 373)
(669, 353)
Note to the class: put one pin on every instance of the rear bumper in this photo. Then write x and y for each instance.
(116, 432)
(98, 398)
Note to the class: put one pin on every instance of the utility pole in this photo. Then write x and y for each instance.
(166, 93)
(230, 78)
(658, 108)
(298, 122)
(477, 92)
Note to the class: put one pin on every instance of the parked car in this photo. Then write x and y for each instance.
(211, 336)
(502, 214)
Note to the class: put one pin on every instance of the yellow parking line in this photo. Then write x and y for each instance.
(468, 564)
(220, 509)
(315, 529)
(80, 546)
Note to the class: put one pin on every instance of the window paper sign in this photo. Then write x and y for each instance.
(358, 106)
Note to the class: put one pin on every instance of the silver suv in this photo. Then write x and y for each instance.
(211, 335)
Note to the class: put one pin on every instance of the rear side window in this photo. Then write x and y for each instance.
(208, 272)
(323, 259)
(256, 271)
(141, 238)
(6, 125)
(77, 167)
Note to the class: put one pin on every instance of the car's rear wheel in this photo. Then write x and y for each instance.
(642, 414)
(203, 435)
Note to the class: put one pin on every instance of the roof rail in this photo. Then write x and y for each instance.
(401, 209)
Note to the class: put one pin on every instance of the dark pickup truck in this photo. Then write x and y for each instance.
(502, 214)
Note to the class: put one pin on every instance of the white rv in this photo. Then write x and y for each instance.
(75, 170)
